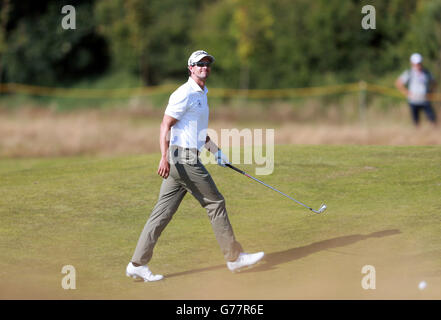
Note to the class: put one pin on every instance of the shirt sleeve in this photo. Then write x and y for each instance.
(177, 104)
(404, 77)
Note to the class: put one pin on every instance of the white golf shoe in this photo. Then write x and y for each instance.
(142, 272)
(245, 260)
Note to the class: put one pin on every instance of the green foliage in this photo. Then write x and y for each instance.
(425, 35)
(257, 44)
(303, 43)
(40, 51)
(149, 38)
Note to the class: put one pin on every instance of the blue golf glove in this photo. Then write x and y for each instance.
(221, 159)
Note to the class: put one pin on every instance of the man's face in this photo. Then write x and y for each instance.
(417, 66)
(201, 72)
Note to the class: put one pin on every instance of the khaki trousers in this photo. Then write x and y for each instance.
(187, 174)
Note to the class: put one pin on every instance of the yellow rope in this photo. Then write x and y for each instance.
(83, 93)
(214, 92)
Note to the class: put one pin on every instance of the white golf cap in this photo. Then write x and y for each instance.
(198, 56)
(416, 58)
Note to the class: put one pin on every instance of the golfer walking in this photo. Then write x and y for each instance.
(416, 84)
(183, 133)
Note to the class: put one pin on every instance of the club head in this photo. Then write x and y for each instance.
(322, 208)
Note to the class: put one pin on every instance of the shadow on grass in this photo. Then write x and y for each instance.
(276, 258)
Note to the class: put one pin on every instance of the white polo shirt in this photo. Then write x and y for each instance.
(418, 83)
(188, 104)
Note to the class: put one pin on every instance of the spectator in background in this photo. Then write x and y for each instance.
(416, 83)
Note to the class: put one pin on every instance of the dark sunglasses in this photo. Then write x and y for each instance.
(202, 64)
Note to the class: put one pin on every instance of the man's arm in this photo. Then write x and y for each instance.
(211, 146)
(400, 86)
(164, 140)
(220, 157)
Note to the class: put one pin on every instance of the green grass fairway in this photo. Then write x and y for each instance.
(384, 206)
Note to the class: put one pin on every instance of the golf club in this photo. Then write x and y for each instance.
(322, 208)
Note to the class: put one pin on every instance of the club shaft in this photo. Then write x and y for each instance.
(268, 186)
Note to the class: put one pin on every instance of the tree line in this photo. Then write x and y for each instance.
(256, 43)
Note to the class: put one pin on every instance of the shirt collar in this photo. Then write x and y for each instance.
(195, 86)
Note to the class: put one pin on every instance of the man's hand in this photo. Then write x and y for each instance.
(221, 159)
(166, 124)
(164, 168)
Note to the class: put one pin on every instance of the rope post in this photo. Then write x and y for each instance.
(362, 88)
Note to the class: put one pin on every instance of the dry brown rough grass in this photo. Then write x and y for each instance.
(31, 132)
